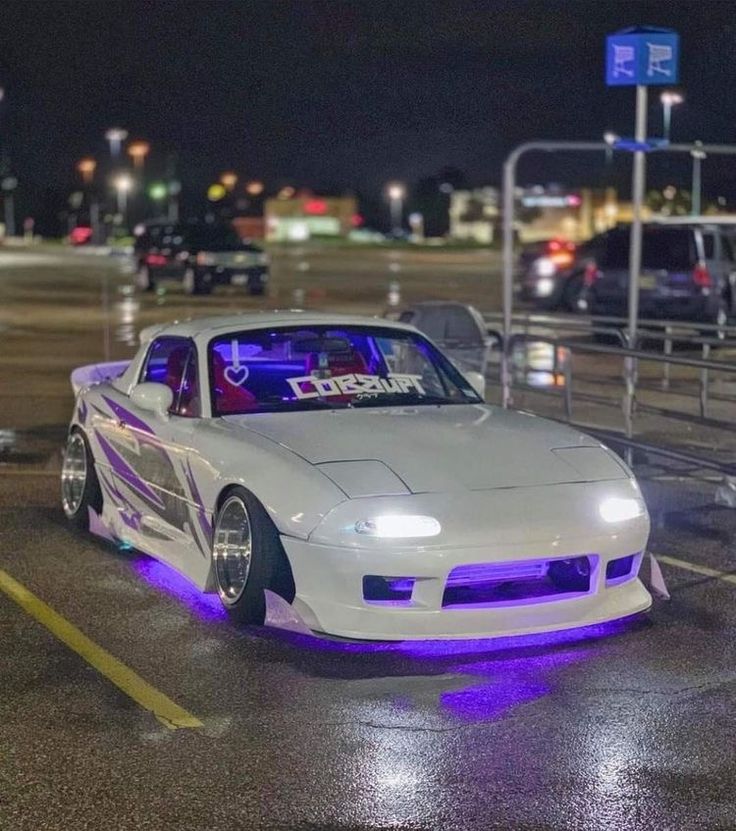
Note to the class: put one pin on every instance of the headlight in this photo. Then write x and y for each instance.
(619, 509)
(263, 259)
(398, 526)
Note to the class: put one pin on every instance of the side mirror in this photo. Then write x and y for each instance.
(156, 398)
(478, 382)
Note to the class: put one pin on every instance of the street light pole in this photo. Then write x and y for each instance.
(695, 201)
(668, 99)
(396, 201)
(115, 137)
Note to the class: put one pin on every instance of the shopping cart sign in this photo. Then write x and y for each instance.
(642, 55)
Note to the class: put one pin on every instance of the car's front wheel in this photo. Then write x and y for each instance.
(247, 557)
(80, 488)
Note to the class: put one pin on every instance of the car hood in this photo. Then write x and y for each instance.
(441, 449)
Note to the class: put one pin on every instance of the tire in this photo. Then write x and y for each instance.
(242, 525)
(144, 279)
(193, 283)
(80, 488)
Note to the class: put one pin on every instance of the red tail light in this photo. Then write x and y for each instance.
(591, 274)
(155, 259)
(701, 276)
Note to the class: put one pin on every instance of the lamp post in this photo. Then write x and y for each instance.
(123, 184)
(86, 168)
(115, 137)
(697, 156)
(396, 193)
(610, 138)
(138, 150)
(669, 99)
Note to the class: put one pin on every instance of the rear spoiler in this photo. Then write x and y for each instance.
(85, 376)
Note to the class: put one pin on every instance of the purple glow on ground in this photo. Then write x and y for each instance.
(440, 649)
(165, 579)
(505, 683)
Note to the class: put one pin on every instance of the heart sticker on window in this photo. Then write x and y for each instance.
(236, 375)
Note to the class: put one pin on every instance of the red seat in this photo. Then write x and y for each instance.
(229, 398)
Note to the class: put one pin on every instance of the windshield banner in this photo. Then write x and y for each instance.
(309, 386)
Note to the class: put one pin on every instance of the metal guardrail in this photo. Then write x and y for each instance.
(563, 335)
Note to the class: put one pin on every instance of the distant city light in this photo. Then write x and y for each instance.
(123, 183)
(138, 150)
(229, 180)
(254, 188)
(115, 137)
(216, 192)
(86, 167)
(158, 191)
(396, 191)
(671, 98)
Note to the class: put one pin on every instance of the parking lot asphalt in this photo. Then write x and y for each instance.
(629, 725)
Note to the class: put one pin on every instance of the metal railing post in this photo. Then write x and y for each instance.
(704, 383)
(667, 352)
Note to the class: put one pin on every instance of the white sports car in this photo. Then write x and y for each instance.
(346, 465)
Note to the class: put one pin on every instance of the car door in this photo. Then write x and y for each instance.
(146, 476)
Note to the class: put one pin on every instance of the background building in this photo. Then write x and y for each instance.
(305, 215)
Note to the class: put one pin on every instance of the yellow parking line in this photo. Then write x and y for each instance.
(704, 570)
(170, 714)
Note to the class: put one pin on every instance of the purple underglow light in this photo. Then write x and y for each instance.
(164, 579)
(502, 674)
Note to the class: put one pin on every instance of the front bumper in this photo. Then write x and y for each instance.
(329, 589)
(254, 277)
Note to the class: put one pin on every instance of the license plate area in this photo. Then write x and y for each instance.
(239, 279)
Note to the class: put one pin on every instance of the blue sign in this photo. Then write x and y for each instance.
(642, 56)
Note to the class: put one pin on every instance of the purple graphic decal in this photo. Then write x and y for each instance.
(125, 416)
(125, 472)
(82, 412)
(130, 515)
(165, 579)
(204, 523)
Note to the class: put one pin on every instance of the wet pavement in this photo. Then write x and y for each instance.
(629, 725)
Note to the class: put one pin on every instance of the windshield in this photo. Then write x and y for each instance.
(213, 237)
(672, 249)
(328, 367)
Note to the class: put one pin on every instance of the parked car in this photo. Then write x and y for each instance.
(688, 272)
(346, 465)
(199, 256)
(551, 276)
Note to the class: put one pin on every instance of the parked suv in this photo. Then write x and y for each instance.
(688, 272)
(200, 256)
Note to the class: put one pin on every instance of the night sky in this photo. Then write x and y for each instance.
(342, 94)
